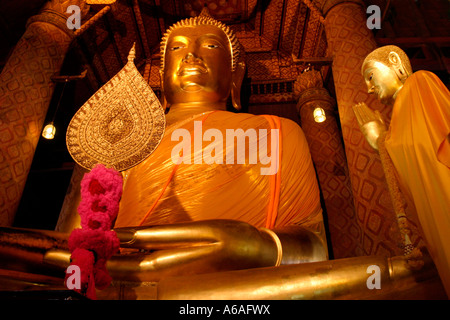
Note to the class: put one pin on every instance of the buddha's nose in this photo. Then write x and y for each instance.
(191, 57)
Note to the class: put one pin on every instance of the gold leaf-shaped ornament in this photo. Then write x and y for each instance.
(120, 125)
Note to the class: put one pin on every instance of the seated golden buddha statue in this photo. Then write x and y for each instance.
(417, 141)
(223, 190)
(217, 208)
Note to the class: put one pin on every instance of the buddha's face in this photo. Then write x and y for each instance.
(197, 65)
(382, 81)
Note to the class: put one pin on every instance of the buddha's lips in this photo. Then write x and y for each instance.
(191, 69)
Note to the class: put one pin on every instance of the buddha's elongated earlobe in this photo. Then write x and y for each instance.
(237, 79)
(163, 98)
(398, 66)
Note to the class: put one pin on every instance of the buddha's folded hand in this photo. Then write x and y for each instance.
(154, 252)
(370, 122)
(199, 246)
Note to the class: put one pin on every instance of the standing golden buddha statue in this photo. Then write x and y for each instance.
(417, 141)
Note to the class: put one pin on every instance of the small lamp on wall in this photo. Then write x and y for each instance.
(319, 115)
(50, 129)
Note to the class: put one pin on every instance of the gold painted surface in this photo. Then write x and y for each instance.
(332, 279)
(325, 280)
(120, 125)
(90, 2)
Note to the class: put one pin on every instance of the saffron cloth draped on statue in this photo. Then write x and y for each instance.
(418, 144)
(225, 191)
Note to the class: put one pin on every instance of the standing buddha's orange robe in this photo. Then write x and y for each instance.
(418, 143)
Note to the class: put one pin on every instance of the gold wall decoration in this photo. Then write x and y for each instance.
(100, 1)
(120, 125)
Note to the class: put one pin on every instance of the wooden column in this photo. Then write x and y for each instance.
(327, 152)
(349, 42)
(25, 93)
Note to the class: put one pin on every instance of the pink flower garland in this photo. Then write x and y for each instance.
(93, 244)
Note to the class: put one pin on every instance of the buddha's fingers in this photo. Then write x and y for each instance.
(357, 112)
(162, 263)
(358, 115)
(363, 113)
(180, 235)
(150, 266)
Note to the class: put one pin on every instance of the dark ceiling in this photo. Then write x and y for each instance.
(275, 34)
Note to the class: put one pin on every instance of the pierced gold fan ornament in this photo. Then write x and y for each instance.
(120, 125)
